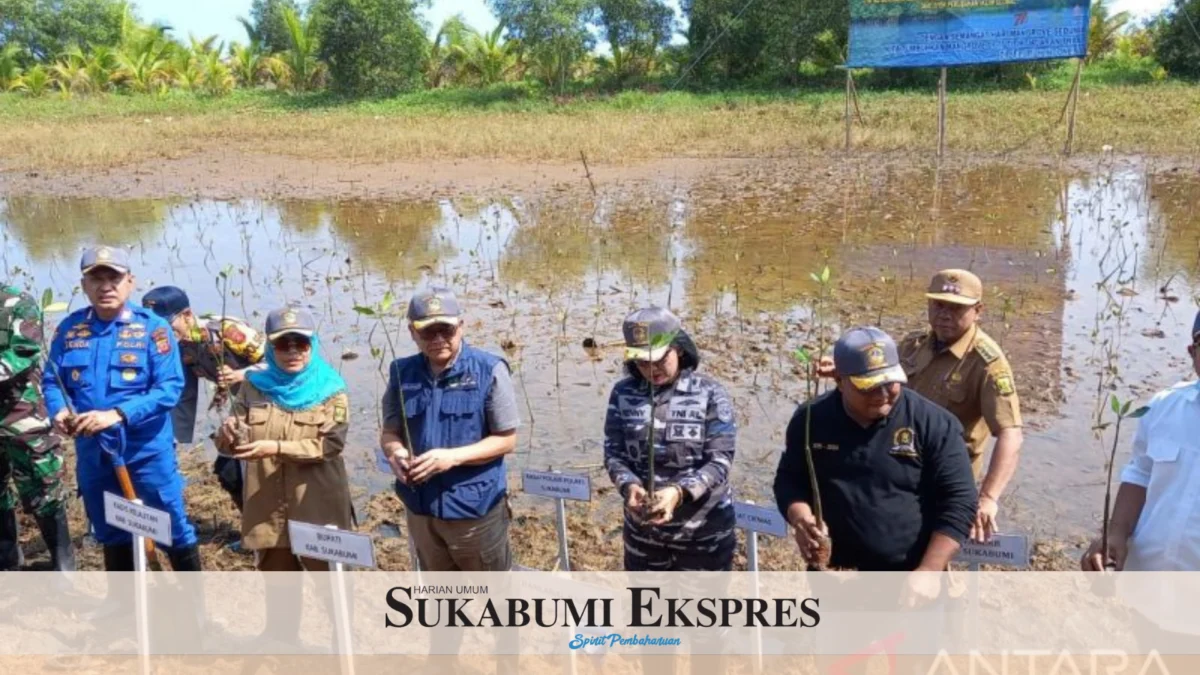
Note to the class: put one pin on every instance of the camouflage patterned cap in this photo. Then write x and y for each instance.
(648, 333)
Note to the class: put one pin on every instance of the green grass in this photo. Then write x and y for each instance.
(521, 122)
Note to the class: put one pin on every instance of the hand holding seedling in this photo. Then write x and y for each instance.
(809, 536)
(227, 377)
(399, 459)
(1118, 550)
(257, 450)
(636, 502)
(662, 507)
(431, 463)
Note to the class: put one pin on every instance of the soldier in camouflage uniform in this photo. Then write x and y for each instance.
(200, 347)
(30, 452)
(689, 523)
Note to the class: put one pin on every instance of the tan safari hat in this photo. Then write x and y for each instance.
(957, 286)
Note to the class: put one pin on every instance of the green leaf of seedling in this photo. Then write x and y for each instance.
(660, 340)
(54, 308)
(1139, 412)
(1115, 405)
(386, 303)
(226, 271)
(47, 298)
(825, 275)
(814, 277)
(801, 354)
(1125, 408)
(365, 311)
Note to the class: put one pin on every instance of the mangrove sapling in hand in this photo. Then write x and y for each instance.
(1121, 410)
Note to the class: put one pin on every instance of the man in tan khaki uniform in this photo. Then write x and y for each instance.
(961, 368)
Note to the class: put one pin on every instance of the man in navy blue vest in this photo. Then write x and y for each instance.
(449, 418)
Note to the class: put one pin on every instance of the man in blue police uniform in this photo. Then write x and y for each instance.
(457, 405)
(112, 378)
(892, 469)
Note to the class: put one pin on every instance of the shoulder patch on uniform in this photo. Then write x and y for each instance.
(1004, 385)
(161, 342)
(987, 349)
(340, 411)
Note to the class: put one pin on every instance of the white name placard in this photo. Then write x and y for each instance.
(558, 485)
(1009, 550)
(760, 519)
(137, 519)
(330, 545)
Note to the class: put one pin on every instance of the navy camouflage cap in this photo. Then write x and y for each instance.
(166, 301)
(433, 305)
(112, 257)
(288, 321)
(868, 356)
(648, 333)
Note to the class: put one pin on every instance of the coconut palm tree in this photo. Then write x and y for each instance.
(249, 63)
(489, 58)
(10, 68)
(305, 71)
(34, 82)
(446, 51)
(1104, 30)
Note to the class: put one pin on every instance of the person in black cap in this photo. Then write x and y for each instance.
(685, 519)
(221, 350)
(892, 471)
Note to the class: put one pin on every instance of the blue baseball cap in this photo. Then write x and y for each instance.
(434, 305)
(166, 301)
(868, 357)
(290, 320)
(112, 257)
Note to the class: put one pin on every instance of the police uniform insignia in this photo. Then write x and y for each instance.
(160, 341)
(129, 358)
(903, 436)
(339, 413)
(1004, 385)
(129, 375)
(876, 357)
(75, 375)
(433, 305)
(640, 333)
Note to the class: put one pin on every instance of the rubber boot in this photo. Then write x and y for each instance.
(118, 558)
(57, 535)
(10, 545)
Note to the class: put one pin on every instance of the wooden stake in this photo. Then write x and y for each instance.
(1074, 100)
(849, 85)
(941, 149)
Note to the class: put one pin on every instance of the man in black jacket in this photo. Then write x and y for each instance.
(893, 474)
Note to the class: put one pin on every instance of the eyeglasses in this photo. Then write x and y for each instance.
(292, 344)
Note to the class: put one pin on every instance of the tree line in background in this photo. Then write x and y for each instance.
(382, 47)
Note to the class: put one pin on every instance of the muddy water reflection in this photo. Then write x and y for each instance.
(540, 275)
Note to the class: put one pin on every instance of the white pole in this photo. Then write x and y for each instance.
(752, 562)
(341, 616)
(142, 617)
(564, 558)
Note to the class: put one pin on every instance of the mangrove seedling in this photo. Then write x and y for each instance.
(222, 396)
(379, 312)
(1122, 412)
(657, 341)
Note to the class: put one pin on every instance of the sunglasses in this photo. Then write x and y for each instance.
(444, 330)
(292, 344)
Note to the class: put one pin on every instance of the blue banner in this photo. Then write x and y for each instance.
(910, 34)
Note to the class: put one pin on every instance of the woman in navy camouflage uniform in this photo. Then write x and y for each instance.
(688, 523)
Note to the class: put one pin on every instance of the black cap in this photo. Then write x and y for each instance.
(868, 356)
(166, 301)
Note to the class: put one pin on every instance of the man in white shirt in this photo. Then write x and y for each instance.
(1155, 523)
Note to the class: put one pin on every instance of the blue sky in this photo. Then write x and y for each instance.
(208, 17)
